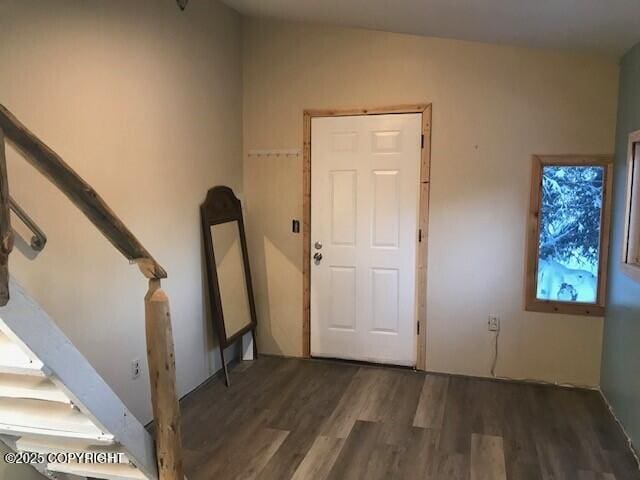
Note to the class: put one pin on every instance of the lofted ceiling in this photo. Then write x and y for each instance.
(606, 26)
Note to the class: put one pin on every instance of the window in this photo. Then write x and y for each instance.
(631, 246)
(569, 233)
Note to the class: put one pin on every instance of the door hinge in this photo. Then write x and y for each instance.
(422, 141)
(418, 328)
(419, 235)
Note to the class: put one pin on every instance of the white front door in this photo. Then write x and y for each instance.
(365, 178)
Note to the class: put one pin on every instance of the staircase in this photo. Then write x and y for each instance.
(53, 401)
(54, 407)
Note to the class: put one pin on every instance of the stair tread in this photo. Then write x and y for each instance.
(14, 360)
(109, 471)
(46, 445)
(45, 418)
(27, 386)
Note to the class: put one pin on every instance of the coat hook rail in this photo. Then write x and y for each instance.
(279, 152)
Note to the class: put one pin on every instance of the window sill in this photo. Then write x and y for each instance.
(585, 309)
(631, 270)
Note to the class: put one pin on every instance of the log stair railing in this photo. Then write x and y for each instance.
(160, 349)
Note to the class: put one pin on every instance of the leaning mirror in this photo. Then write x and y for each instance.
(229, 278)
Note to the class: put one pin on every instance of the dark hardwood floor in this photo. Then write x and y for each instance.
(306, 419)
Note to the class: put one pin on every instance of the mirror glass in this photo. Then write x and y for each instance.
(231, 278)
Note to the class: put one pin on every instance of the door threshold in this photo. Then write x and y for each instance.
(360, 363)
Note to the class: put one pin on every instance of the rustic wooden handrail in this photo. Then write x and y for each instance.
(83, 196)
(6, 233)
(160, 350)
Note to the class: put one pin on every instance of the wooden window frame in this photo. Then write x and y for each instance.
(423, 216)
(532, 303)
(632, 202)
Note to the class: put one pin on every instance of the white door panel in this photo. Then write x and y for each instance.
(365, 173)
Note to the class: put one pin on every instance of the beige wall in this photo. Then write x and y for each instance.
(493, 107)
(144, 101)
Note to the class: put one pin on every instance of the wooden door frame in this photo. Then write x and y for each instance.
(423, 218)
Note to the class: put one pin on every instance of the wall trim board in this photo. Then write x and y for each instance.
(629, 266)
(423, 218)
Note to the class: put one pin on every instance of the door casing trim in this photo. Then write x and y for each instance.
(423, 218)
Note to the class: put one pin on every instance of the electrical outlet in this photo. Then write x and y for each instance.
(135, 368)
(494, 323)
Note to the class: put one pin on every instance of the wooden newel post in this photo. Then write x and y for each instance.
(162, 374)
(6, 234)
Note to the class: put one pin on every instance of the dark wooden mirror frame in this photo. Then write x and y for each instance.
(222, 206)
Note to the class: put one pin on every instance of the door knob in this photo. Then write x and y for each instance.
(317, 257)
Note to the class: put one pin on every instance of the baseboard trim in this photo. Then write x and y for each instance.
(632, 447)
(527, 381)
(185, 398)
(217, 374)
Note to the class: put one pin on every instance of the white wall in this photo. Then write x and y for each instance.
(493, 106)
(144, 101)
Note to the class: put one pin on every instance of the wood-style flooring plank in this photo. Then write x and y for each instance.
(623, 464)
(320, 459)
(244, 400)
(430, 409)
(361, 395)
(484, 411)
(487, 458)
(243, 365)
(609, 433)
(455, 435)
(449, 466)
(316, 390)
(556, 458)
(420, 453)
(365, 455)
(246, 461)
(521, 414)
(377, 400)
(405, 398)
(584, 475)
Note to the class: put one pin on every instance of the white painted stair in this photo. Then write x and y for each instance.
(53, 401)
